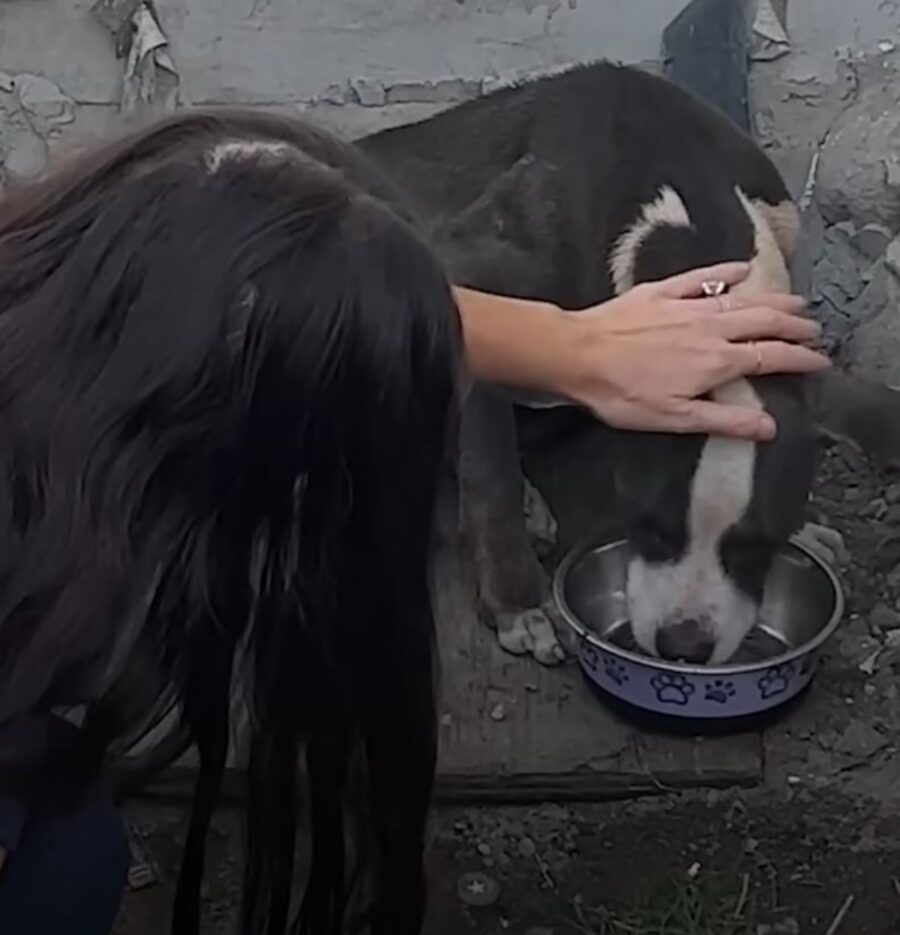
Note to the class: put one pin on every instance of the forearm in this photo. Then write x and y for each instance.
(516, 342)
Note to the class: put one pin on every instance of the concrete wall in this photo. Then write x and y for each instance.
(363, 64)
(358, 65)
(404, 58)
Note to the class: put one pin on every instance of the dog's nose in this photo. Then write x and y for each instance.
(685, 641)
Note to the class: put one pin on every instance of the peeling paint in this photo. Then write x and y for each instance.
(32, 108)
(150, 77)
(447, 90)
(44, 102)
(370, 92)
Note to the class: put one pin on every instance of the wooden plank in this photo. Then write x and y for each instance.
(554, 741)
(514, 731)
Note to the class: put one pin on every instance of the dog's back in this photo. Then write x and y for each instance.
(560, 169)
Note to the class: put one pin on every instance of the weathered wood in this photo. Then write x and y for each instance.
(514, 731)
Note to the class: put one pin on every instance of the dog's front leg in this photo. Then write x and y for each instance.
(513, 589)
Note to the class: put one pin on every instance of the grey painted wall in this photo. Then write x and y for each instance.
(362, 64)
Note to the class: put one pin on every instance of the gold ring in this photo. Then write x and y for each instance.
(759, 360)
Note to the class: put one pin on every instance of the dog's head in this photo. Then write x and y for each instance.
(708, 515)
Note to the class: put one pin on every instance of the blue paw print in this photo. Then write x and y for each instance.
(719, 690)
(672, 688)
(590, 657)
(615, 670)
(775, 681)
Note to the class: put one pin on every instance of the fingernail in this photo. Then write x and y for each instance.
(766, 428)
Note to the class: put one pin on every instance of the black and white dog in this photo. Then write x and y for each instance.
(572, 189)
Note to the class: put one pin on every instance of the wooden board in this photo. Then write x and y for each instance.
(512, 730)
(555, 740)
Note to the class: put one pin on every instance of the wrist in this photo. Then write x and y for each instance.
(575, 356)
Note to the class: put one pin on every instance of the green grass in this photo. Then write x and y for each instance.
(683, 908)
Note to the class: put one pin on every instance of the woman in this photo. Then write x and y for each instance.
(227, 373)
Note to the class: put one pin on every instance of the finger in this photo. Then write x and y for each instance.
(751, 324)
(777, 301)
(710, 418)
(759, 358)
(690, 284)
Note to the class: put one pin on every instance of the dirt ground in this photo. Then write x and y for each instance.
(815, 849)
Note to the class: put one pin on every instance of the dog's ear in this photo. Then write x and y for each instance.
(500, 242)
(863, 412)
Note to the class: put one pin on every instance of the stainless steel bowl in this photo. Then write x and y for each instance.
(802, 607)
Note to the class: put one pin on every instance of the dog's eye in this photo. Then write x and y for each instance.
(655, 542)
(747, 559)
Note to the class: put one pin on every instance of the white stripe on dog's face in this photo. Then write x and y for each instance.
(696, 587)
(666, 210)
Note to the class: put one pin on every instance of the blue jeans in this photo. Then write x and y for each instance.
(65, 869)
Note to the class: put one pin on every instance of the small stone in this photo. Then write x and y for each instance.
(484, 849)
(498, 712)
(874, 509)
(860, 741)
(477, 889)
(794, 780)
(526, 848)
(884, 617)
(871, 240)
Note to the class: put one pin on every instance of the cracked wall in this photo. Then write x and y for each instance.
(357, 64)
(824, 95)
(830, 115)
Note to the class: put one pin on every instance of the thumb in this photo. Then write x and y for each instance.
(699, 415)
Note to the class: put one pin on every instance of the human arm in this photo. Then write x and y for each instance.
(641, 360)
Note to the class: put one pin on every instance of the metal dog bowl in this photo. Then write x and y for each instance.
(802, 607)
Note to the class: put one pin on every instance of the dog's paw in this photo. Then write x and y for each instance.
(539, 521)
(825, 542)
(530, 632)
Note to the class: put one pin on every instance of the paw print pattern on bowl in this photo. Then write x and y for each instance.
(615, 670)
(719, 690)
(775, 681)
(672, 688)
(590, 657)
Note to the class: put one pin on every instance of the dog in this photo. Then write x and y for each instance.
(573, 188)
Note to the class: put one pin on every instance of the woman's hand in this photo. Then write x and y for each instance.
(640, 361)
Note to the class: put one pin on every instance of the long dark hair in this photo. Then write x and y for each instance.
(227, 370)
